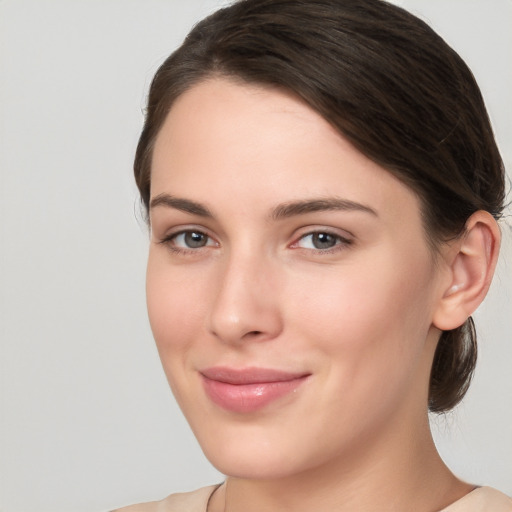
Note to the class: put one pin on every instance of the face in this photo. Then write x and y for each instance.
(290, 286)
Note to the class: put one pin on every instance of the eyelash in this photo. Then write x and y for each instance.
(341, 242)
(169, 241)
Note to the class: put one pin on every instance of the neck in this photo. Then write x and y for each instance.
(400, 472)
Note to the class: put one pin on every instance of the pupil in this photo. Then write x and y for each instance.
(324, 240)
(194, 240)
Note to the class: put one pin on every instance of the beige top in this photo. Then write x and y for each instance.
(482, 499)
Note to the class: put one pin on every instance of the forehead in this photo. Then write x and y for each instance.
(245, 146)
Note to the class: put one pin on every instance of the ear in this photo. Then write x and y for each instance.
(471, 261)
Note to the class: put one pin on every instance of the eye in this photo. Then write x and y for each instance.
(321, 241)
(191, 239)
(188, 240)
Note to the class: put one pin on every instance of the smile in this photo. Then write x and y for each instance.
(248, 390)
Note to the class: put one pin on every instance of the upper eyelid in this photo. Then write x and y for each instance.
(311, 233)
(311, 230)
(177, 230)
(174, 234)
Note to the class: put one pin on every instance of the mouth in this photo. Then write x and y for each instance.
(250, 389)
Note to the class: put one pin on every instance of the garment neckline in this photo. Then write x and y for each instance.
(467, 496)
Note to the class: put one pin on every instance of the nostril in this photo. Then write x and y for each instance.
(253, 333)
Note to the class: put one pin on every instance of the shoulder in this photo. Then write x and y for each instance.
(194, 501)
(482, 499)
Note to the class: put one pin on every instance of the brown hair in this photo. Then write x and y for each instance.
(389, 84)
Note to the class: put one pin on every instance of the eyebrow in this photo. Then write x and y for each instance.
(282, 211)
(178, 203)
(318, 205)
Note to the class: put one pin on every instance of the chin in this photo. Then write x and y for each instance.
(251, 464)
(259, 452)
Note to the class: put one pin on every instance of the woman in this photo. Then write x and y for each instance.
(322, 187)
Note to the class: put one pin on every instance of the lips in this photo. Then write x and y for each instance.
(248, 390)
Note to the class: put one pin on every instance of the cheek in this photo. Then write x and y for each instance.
(174, 306)
(176, 315)
(369, 318)
(357, 299)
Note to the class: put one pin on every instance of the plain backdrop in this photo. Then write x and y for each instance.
(87, 420)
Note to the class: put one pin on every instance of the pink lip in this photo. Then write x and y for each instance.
(249, 389)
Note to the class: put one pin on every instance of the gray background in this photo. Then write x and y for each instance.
(87, 421)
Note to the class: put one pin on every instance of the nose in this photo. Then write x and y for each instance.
(246, 303)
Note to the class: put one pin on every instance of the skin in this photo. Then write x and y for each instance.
(360, 317)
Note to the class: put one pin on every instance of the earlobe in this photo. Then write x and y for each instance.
(471, 268)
